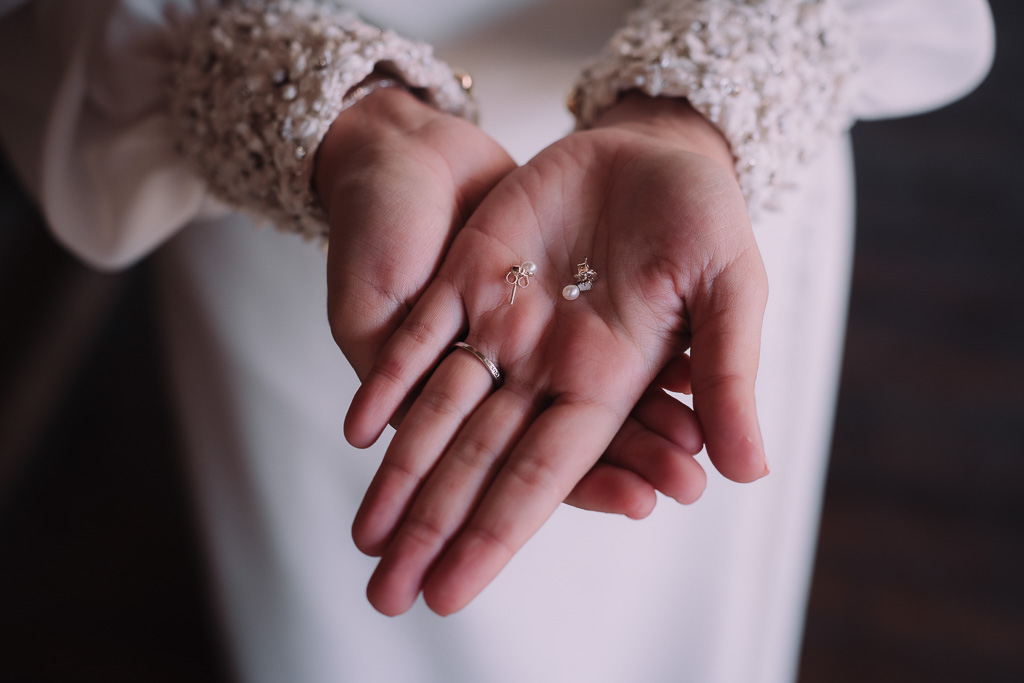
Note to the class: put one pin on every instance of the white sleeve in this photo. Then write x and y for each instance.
(918, 55)
(128, 119)
(82, 122)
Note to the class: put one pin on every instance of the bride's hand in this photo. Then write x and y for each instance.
(398, 179)
(649, 198)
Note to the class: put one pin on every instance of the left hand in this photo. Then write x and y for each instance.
(398, 179)
(649, 197)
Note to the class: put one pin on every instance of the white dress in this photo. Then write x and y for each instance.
(714, 592)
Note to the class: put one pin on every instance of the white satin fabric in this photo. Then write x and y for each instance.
(713, 592)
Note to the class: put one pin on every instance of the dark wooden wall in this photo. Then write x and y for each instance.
(920, 567)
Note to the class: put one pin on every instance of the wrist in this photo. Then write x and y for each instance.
(672, 120)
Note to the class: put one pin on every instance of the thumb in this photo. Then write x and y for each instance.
(726, 326)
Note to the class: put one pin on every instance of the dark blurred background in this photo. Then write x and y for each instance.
(920, 569)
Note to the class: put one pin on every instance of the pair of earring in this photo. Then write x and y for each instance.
(519, 276)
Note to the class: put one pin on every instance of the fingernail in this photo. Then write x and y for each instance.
(767, 468)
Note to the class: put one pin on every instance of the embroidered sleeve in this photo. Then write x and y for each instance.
(775, 76)
(258, 83)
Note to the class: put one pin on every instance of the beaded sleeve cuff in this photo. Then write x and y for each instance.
(775, 76)
(257, 84)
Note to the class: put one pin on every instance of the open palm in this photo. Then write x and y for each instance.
(399, 179)
(473, 471)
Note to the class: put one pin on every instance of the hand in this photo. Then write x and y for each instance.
(651, 199)
(398, 179)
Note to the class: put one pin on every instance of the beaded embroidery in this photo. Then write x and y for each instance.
(775, 76)
(258, 83)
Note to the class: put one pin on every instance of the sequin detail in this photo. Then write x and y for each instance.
(256, 85)
(775, 76)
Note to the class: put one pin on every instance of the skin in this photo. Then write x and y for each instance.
(650, 197)
(399, 179)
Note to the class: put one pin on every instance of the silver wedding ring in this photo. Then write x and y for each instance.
(488, 363)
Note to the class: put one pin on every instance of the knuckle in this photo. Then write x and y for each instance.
(417, 332)
(390, 370)
(442, 404)
(537, 474)
(424, 531)
(492, 539)
(401, 470)
(710, 381)
(474, 453)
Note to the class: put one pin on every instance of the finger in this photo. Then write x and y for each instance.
(453, 392)
(661, 463)
(404, 362)
(652, 450)
(676, 375)
(725, 350)
(560, 447)
(615, 490)
(447, 499)
(670, 419)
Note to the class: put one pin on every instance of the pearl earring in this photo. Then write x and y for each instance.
(585, 279)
